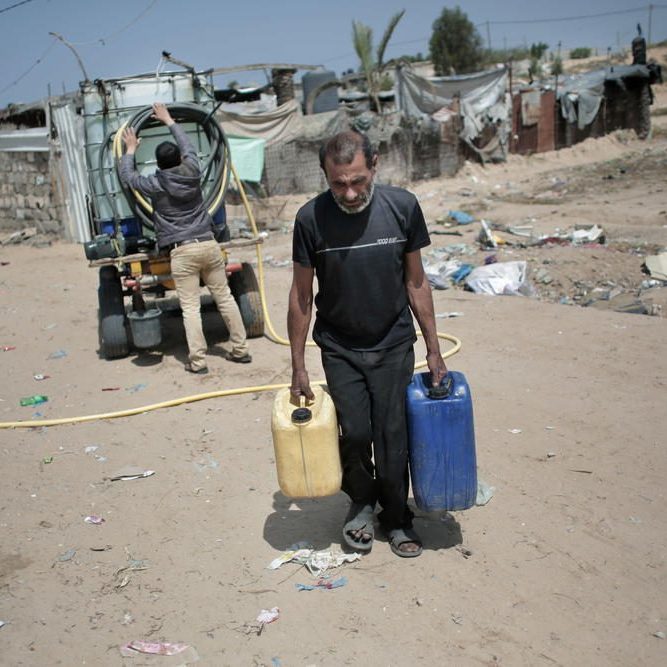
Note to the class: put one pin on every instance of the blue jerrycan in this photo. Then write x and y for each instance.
(441, 443)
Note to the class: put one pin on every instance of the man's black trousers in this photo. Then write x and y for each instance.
(368, 390)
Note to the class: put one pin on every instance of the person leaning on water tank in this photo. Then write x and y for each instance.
(184, 229)
(363, 242)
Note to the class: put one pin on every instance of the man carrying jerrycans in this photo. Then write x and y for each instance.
(363, 242)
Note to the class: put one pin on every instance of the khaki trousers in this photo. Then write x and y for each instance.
(189, 264)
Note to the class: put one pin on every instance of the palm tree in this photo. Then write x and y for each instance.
(372, 66)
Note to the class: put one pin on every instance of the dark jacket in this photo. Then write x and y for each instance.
(179, 212)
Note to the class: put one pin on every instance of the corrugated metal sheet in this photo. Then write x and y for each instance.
(72, 166)
(27, 140)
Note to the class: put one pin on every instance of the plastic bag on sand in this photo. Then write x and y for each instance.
(268, 615)
(316, 562)
(500, 278)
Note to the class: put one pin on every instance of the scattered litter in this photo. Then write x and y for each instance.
(316, 562)
(323, 583)
(47, 459)
(68, 555)
(514, 431)
(89, 449)
(3, 623)
(95, 520)
(551, 455)
(48, 327)
(457, 618)
(656, 266)
(484, 493)
(33, 400)
(155, 648)
(441, 273)
(500, 278)
(58, 354)
(460, 273)
(122, 574)
(110, 388)
(40, 376)
(446, 232)
(136, 387)
(8, 348)
(207, 462)
(587, 234)
(106, 547)
(466, 553)
(659, 634)
(130, 473)
(267, 616)
(446, 315)
(460, 217)
(486, 237)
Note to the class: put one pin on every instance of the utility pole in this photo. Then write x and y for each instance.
(488, 35)
(650, 16)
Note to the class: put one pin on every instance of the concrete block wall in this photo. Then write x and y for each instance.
(27, 193)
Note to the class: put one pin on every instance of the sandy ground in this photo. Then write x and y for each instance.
(564, 566)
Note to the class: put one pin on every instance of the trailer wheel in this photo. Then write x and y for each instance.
(111, 315)
(245, 290)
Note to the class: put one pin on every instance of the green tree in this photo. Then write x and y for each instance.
(456, 46)
(580, 52)
(372, 64)
(557, 66)
(538, 50)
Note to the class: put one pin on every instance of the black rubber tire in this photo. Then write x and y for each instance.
(245, 291)
(111, 315)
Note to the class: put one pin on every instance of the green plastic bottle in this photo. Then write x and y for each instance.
(34, 400)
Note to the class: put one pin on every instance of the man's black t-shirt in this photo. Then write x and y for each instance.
(362, 301)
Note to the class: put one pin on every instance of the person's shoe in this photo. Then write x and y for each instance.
(243, 359)
(198, 371)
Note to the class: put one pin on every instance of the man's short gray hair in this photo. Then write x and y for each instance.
(342, 147)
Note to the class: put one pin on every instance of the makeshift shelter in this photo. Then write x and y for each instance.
(480, 99)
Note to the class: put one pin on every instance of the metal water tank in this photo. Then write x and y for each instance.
(327, 100)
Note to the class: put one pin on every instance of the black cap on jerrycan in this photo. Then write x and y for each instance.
(443, 390)
(301, 415)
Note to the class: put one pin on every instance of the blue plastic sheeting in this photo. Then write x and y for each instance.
(247, 157)
(461, 217)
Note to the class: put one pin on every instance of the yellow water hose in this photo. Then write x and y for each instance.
(143, 202)
(223, 392)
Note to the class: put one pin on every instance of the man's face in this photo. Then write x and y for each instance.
(351, 184)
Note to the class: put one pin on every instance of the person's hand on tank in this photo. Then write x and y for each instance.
(161, 113)
(131, 140)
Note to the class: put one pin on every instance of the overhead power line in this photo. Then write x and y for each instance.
(32, 67)
(575, 18)
(16, 4)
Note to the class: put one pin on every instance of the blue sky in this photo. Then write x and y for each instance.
(126, 37)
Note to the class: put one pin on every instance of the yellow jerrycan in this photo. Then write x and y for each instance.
(305, 440)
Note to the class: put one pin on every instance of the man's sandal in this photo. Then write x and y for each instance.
(359, 518)
(400, 536)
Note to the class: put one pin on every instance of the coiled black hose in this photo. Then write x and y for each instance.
(213, 189)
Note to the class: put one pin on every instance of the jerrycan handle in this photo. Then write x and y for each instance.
(302, 415)
(443, 390)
